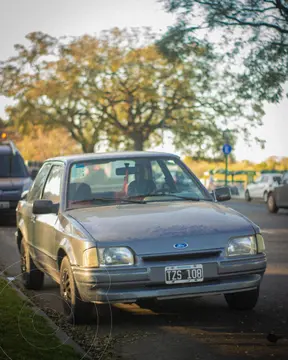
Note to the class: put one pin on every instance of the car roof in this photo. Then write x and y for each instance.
(111, 155)
(8, 147)
(5, 150)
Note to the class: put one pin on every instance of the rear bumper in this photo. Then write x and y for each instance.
(130, 285)
(11, 211)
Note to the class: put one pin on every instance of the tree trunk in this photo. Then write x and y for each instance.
(138, 140)
(87, 148)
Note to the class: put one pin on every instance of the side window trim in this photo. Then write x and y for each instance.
(47, 177)
(40, 195)
(53, 165)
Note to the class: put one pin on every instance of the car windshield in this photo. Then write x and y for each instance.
(98, 182)
(12, 166)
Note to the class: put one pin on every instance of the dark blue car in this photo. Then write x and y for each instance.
(14, 178)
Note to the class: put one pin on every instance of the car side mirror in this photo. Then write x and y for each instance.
(33, 174)
(222, 194)
(44, 207)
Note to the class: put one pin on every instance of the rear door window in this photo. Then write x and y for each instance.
(12, 166)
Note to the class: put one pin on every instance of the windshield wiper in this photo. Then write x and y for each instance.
(109, 200)
(169, 194)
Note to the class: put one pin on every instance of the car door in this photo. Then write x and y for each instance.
(282, 192)
(45, 224)
(262, 186)
(253, 187)
(25, 214)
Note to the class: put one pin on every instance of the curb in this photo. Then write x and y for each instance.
(59, 333)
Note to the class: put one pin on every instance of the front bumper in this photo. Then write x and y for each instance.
(132, 284)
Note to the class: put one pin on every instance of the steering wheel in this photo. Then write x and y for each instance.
(165, 188)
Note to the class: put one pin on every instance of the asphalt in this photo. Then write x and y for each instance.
(202, 328)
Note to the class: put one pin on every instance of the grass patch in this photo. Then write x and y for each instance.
(26, 335)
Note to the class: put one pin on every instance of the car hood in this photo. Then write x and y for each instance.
(157, 227)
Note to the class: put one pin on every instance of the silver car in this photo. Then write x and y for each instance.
(116, 227)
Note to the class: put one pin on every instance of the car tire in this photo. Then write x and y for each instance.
(247, 196)
(265, 196)
(75, 309)
(271, 204)
(32, 277)
(245, 300)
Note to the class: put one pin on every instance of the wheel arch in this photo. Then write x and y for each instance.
(19, 238)
(65, 249)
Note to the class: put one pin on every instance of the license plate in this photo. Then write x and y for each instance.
(184, 274)
(4, 205)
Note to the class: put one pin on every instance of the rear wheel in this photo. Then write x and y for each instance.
(271, 203)
(247, 196)
(75, 310)
(245, 300)
(32, 277)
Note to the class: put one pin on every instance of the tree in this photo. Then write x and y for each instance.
(258, 30)
(41, 144)
(117, 87)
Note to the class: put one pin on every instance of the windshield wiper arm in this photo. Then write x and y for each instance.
(109, 200)
(170, 194)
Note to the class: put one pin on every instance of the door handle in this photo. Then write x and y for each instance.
(33, 219)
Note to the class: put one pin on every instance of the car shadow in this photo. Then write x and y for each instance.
(7, 221)
(206, 322)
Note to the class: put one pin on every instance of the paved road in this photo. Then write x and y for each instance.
(199, 328)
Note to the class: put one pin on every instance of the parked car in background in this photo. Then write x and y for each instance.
(260, 188)
(14, 178)
(278, 197)
(142, 237)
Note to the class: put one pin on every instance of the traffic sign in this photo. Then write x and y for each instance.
(227, 149)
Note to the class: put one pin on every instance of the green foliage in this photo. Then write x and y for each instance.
(257, 30)
(119, 89)
(25, 335)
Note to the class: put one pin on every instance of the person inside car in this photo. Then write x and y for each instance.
(141, 185)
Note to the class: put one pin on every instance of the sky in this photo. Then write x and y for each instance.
(75, 17)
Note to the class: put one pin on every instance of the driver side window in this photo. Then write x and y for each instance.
(37, 187)
(158, 175)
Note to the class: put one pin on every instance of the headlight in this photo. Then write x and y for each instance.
(90, 258)
(242, 246)
(115, 256)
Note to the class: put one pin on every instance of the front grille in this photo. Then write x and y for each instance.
(185, 256)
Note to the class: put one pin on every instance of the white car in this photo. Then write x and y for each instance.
(260, 188)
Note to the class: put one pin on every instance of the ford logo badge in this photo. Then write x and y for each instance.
(180, 246)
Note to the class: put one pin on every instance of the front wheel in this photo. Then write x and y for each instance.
(271, 203)
(247, 196)
(265, 197)
(32, 277)
(75, 310)
(245, 300)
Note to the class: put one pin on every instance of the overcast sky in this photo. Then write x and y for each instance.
(77, 17)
